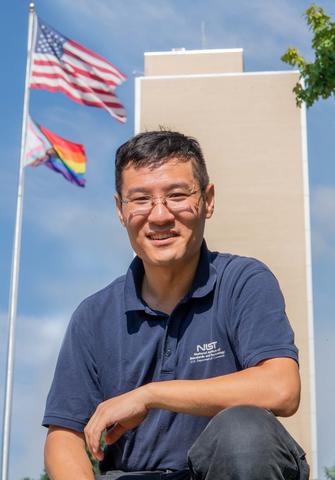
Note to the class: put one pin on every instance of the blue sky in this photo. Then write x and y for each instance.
(72, 244)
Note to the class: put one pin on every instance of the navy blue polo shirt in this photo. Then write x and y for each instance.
(232, 318)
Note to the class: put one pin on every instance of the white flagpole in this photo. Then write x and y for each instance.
(16, 261)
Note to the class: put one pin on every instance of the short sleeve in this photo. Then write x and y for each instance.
(75, 391)
(259, 325)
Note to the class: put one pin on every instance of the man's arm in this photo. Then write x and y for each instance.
(65, 455)
(273, 384)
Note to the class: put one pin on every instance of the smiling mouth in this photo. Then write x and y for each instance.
(161, 236)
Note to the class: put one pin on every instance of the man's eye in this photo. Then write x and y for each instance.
(143, 200)
(177, 196)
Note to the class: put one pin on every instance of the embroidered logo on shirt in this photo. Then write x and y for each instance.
(207, 351)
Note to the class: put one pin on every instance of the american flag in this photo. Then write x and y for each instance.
(60, 64)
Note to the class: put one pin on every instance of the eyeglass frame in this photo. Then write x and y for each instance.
(163, 199)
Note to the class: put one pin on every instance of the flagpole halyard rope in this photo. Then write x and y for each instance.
(16, 261)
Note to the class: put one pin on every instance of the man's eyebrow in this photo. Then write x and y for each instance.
(169, 187)
(179, 185)
(138, 190)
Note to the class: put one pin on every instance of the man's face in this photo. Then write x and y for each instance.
(163, 236)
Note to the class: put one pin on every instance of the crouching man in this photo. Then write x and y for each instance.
(188, 358)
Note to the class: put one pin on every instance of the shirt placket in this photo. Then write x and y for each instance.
(169, 346)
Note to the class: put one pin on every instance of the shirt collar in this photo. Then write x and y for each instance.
(205, 275)
(203, 283)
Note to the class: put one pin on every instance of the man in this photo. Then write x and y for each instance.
(186, 360)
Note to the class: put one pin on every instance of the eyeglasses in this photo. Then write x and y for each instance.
(174, 201)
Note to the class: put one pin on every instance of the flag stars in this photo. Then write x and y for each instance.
(50, 41)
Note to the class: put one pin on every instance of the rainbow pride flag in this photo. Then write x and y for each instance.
(46, 148)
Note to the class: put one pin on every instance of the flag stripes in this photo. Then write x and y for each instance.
(85, 98)
(61, 64)
(44, 147)
(47, 68)
(93, 59)
(45, 64)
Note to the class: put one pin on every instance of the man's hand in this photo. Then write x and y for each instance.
(273, 384)
(117, 415)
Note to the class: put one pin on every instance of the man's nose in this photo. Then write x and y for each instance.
(160, 213)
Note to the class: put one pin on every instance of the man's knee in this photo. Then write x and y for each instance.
(237, 429)
(246, 442)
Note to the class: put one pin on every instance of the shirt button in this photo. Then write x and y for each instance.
(168, 352)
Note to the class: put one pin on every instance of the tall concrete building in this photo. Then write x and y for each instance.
(254, 140)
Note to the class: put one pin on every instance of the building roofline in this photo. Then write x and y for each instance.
(183, 51)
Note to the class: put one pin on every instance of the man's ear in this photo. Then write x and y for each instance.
(118, 205)
(209, 200)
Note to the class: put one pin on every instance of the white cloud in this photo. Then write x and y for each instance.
(40, 334)
(72, 215)
(113, 14)
(325, 356)
(87, 254)
(265, 29)
(38, 341)
(283, 18)
(323, 221)
(323, 206)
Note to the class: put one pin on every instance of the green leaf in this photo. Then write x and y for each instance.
(318, 76)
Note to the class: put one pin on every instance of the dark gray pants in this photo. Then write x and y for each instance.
(240, 443)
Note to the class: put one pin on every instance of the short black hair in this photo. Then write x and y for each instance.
(154, 148)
